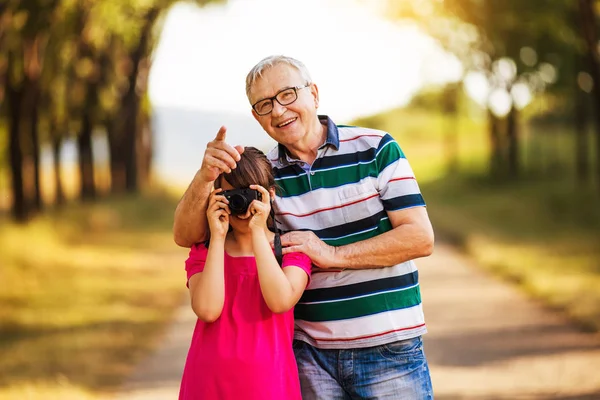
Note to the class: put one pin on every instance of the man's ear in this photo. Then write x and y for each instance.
(315, 92)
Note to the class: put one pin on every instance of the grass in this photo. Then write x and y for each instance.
(86, 292)
(534, 234)
(541, 232)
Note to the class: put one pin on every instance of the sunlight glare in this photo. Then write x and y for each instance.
(361, 62)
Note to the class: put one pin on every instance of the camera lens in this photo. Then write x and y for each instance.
(238, 204)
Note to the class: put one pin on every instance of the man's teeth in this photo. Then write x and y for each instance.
(289, 121)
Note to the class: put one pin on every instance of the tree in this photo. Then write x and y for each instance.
(515, 59)
(77, 66)
(25, 43)
(589, 28)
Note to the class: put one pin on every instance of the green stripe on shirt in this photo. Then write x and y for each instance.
(353, 308)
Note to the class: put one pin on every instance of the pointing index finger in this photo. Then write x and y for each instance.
(220, 143)
(221, 134)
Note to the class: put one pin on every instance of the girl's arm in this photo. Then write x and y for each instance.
(207, 288)
(281, 287)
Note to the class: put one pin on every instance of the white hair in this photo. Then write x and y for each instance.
(271, 61)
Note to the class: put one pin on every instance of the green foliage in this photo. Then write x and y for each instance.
(545, 52)
(422, 132)
(79, 43)
(73, 67)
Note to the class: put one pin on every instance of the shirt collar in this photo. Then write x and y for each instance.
(332, 139)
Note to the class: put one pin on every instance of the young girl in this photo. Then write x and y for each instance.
(242, 344)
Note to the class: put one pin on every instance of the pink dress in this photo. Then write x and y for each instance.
(246, 353)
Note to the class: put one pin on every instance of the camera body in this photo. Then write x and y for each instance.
(240, 199)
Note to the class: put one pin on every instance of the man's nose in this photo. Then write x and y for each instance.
(278, 109)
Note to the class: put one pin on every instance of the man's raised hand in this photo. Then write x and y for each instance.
(219, 157)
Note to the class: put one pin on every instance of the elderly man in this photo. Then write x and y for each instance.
(348, 199)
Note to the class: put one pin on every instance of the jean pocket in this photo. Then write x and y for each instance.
(403, 350)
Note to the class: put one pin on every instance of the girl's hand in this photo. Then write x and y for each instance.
(217, 214)
(259, 209)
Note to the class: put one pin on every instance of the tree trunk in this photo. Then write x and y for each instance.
(117, 159)
(495, 146)
(582, 163)
(3, 11)
(144, 148)
(14, 103)
(35, 145)
(32, 68)
(129, 145)
(129, 128)
(86, 160)
(512, 134)
(84, 140)
(450, 107)
(88, 120)
(145, 136)
(59, 196)
(590, 36)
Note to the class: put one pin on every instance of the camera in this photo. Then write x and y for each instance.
(240, 199)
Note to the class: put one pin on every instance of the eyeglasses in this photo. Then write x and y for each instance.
(285, 97)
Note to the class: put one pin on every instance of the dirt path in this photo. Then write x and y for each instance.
(485, 341)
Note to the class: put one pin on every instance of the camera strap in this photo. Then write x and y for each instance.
(277, 239)
(278, 250)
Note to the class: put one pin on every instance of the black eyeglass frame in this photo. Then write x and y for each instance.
(296, 88)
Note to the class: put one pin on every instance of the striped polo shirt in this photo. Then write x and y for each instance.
(343, 197)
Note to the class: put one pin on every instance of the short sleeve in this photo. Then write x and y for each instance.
(196, 260)
(396, 181)
(299, 260)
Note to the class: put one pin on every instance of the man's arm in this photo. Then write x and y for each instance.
(190, 225)
(412, 237)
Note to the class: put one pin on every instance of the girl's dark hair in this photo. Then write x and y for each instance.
(253, 169)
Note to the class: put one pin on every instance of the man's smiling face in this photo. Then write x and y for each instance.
(291, 123)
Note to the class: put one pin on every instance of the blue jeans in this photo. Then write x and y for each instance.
(395, 370)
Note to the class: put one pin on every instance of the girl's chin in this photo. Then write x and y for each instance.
(238, 224)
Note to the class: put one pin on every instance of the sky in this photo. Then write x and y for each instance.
(362, 62)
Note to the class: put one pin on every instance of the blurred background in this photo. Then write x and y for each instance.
(106, 107)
